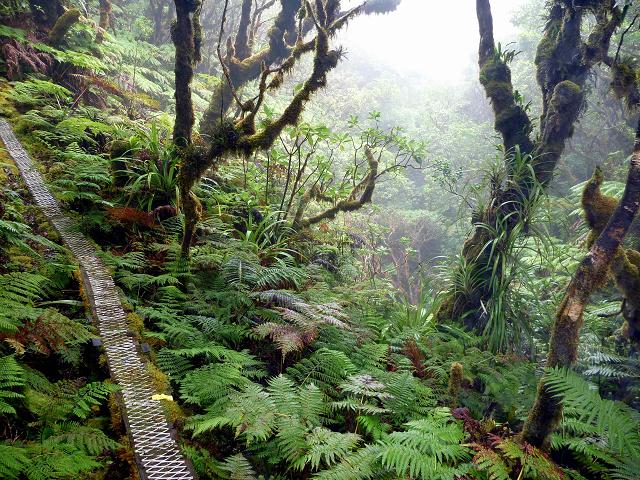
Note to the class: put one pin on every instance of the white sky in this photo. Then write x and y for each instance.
(433, 39)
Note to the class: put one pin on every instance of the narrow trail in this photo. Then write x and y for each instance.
(156, 451)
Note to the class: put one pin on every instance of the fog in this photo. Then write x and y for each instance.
(433, 39)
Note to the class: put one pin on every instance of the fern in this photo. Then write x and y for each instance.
(326, 448)
(325, 368)
(61, 461)
(301, 320)
(363, 464)
(94, 393)
(492, 464)
(600, 430)
(50, 332)
(246, 272)
(88, 440)
(237, 467)
(18, 293)
(37, 92)
(211, 383)
(13, 461)
(11, 378)
(429, 448)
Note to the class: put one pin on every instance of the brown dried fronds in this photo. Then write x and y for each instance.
(21, 59)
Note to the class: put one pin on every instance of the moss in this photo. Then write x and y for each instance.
(125, 454)
(456, 376)
(77, 274)
(495, 71)
(62, 26)
(565, 94)
(103, 362)
(548, 43)
(7, 107)
(135, 322)
(115, 414)
(626, 81)
(174, 413)
(159, 379)
(633, 256)
(596, 206)
(56, 170)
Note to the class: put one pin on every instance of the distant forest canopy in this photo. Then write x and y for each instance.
(334, 267)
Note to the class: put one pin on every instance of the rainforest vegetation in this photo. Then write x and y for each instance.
(345, 249)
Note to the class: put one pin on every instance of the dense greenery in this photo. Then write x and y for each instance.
(303, 335)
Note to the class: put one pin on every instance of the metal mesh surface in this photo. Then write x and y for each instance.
(156, 451)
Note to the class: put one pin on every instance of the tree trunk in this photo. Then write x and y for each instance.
(186, 36)
(105, 19)
(563, 62)
(591, 274)
(63, 24)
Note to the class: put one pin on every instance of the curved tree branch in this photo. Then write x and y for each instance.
(360, 195)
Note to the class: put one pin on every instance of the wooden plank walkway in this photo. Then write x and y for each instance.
(156, 451)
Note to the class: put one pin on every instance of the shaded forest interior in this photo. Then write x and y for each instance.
(382, 239)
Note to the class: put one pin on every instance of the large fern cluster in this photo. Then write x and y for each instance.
(54, 424)
(603, 435)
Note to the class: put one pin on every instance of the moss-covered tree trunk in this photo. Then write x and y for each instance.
(563, 62)
(243, 67)
(63, 25)
(591, 274)
(187, 36)
(221, 136)
(104, 22)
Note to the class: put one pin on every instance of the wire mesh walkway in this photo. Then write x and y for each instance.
(156, 451)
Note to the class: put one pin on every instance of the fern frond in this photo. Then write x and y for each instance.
(89, 440)
(13, 461)
(325, 368)
(11, 379)
(238, 468)
(613, 421)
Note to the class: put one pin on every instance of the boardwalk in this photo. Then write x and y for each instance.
(156, 451)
